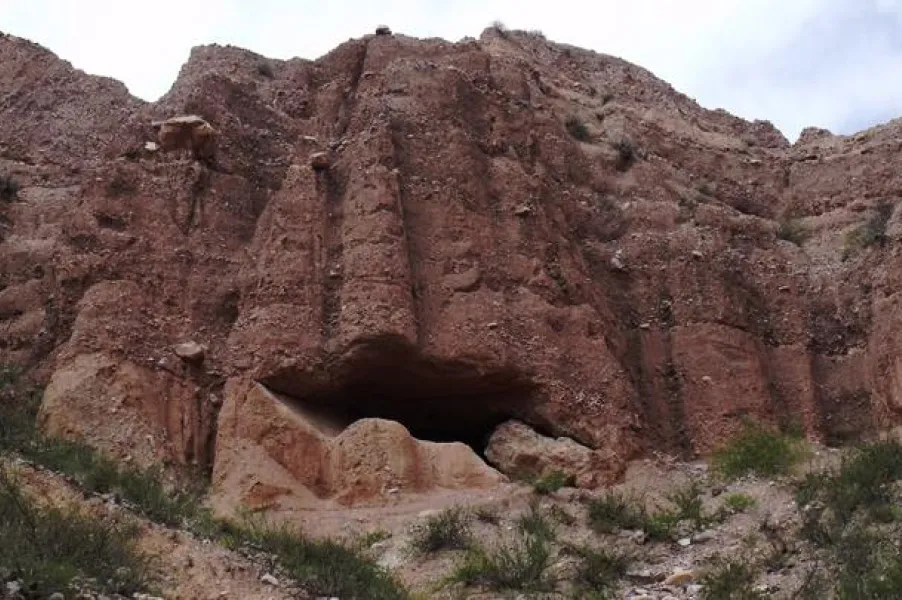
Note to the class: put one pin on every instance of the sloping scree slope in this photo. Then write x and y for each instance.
(508, 229)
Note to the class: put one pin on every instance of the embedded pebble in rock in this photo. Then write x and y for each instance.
(679, 578)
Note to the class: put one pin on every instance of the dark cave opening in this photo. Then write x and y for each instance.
(438, 401)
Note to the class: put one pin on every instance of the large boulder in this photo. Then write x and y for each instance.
(520, 451)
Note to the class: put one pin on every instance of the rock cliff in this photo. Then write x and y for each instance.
(501, 229)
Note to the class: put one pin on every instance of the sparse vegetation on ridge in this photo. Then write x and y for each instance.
(517, 565)
(599, 570)
(47, 550)
(323, 567)
(852, 513)
(614, 511)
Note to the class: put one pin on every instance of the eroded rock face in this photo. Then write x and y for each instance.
(641, 282)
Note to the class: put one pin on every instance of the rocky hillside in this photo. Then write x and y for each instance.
(520, 252)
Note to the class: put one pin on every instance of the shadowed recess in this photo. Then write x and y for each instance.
(439, 401)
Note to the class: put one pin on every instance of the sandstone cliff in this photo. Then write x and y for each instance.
(508, 229)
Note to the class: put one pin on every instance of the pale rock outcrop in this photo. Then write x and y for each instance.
(517, 449)
(271, 454)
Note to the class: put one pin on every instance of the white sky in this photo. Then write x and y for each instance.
(829, 63)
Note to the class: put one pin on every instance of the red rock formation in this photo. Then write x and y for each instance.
(505, 228)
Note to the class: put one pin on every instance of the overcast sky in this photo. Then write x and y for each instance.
(829, 63)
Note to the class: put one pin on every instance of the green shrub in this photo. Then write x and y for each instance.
(552, 482)
(846, 511)
(577, 129)
(448, 530)
(48, 548)
(373, 537)
(793, 231)
(871, 567)
(265, 69)
(729, 580)
(760, 451)
(520, 565)
(737, 503)
(599, 570)
(626, 152)
(871, 232)
(535, 523)
(864, 481)
(613, 511)
(688, 502)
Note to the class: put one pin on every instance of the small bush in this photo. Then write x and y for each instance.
(626, 153)
(873, 231)
(706, 188)
(47, 549)
(688, 502)
(577, 129)
(729, 580)
(758, 450)
(448, 530)
(521, 565)
(500, 28)
(846, 511)
(374, 537)
(536, 524)
(871, 567)
(9, 188)
(599, 570)
(265, 69)
(864, 481)
(793, 231)
(612, 512)
(737, 503)
(552, 482)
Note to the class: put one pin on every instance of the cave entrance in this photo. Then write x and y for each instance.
(439, 401)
